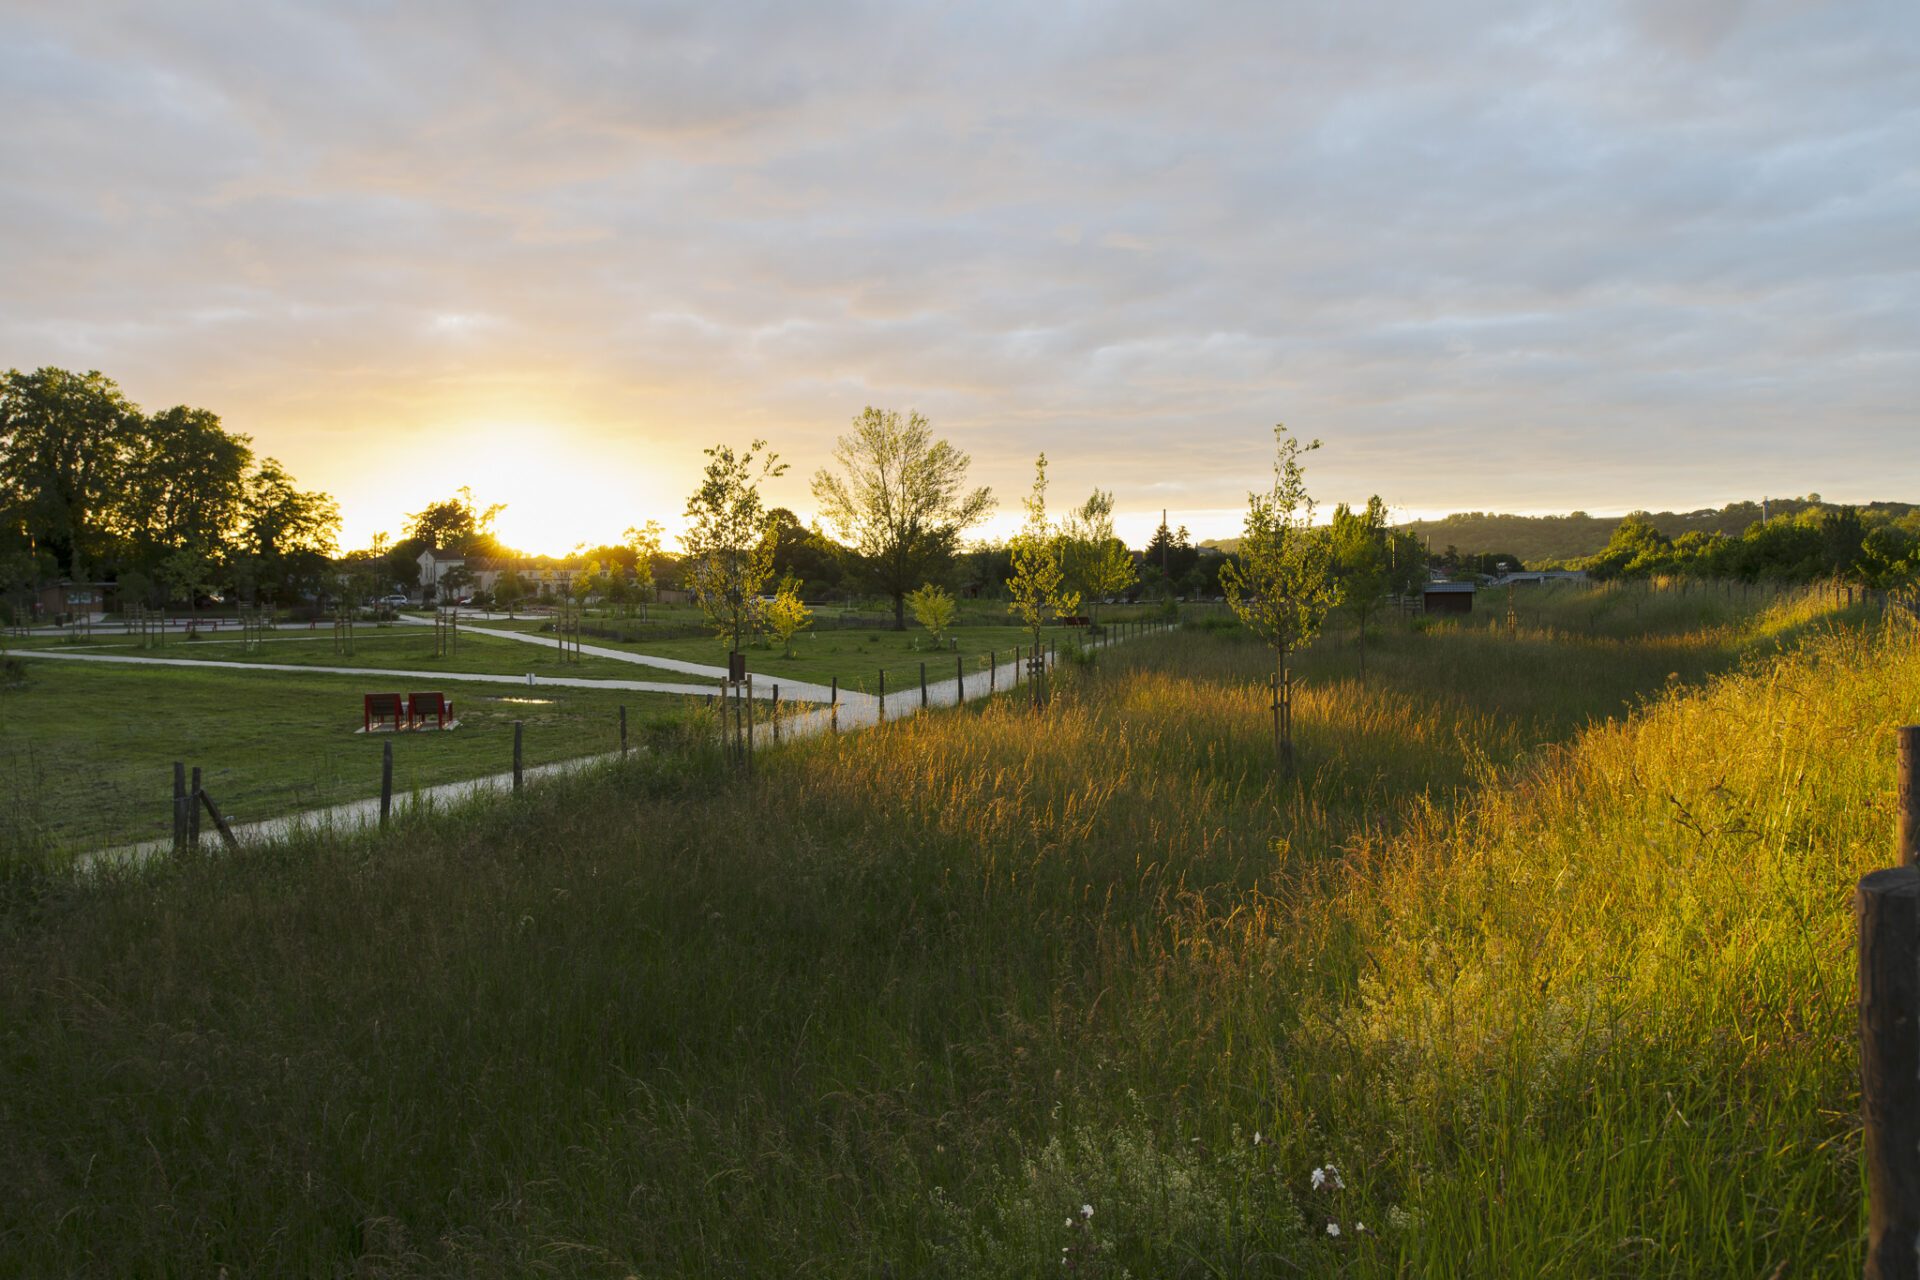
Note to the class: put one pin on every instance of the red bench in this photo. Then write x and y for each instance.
(422, 705)
(376, 707)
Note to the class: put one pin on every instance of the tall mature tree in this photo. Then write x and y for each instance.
(1360, 565)
(728, 538)
(1037, 593)
(456, 524)
(1281, 584)
(63, 448)
(900, 502)
(184, 486)
(288, 533)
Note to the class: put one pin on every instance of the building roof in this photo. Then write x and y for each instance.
(1450, 586)
(443, 557)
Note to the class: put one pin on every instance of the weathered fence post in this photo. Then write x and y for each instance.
(386, 782)
(959, 679)
(833, 706)
(883, 693)
(923, 685)
(749, 709)
(518, 727)
(193, 810)
(1907, 794)
(1887, 911)
(623, 731)
(993, 671)
(776, 713)
(179, 806)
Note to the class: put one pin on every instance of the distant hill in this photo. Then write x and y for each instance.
(1539, 540)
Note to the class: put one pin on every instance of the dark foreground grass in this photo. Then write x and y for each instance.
(912, 998)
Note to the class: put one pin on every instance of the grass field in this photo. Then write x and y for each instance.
(86, 750)
(404, 648)
(1545, 953)
(856, 656)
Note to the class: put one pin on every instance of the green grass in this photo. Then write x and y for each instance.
(857, 657)
(86, 750)
(403, 648)
(1546, 949)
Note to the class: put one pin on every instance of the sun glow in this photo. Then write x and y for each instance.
(560, 491)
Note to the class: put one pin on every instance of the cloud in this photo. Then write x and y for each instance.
(1598, 256)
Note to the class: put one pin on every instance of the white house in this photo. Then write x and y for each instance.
(435, 565)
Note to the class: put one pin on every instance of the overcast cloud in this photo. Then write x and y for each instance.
(1528, 257)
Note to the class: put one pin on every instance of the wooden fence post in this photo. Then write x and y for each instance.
(1887, 911)
(749, 708)
(833, 706)
(959, 679)
(623, 731)
(179, 806)
(386, 782)
(1907, 794)
(776, 713)
(923, 684)
(518, 727)
(193, 810)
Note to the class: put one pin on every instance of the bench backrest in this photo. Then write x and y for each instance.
(384, 704)
(427, 701)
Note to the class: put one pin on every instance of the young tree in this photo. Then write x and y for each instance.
(645, 540)
(900, 503)
(729, 552)
(933, 609)
(1281, 584)
(1360, 565)
(509, 591)
(1097, 563)
(1037, 592)
(787, 615)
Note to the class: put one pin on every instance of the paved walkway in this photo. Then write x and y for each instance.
(854, 712)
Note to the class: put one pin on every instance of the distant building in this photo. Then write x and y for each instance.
(1534, 577)
(1448, 597)
(435, 565)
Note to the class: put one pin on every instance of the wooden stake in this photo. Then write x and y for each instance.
(960, 679)
(193, 810)
(1887, 912)
(623, 731)
(749, 693)
(518, 727)
(179, 806)
(923, 684)
(1907, 794)
(833, 706)
(776, 713)
(219, 823)
(386, 782)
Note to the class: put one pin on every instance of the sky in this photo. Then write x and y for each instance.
(1497, 256)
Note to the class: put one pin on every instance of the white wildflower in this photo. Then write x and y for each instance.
(1333, 1228)
(1328, 1176)
(1086, 1211)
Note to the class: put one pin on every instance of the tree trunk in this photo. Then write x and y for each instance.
(900, 611)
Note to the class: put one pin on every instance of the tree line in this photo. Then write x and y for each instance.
(165, 505)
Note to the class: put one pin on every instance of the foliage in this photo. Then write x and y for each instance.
(787, 615)
(933, 609)
(455, 524)
(1097, 564)
(64, 438)
(1361, 568)
(900, 501)
(729, 550)
(1281, 582)
(1038, 592)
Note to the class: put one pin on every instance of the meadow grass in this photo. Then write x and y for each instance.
(1545, 952)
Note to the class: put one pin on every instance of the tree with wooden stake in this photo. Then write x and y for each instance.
(1097, 563)
(933, 609)
(1281, 585)
(729, 541)
(1037, 592)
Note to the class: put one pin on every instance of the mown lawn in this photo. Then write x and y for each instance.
(86, 749)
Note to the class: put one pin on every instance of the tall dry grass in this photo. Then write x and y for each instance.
(1545, 953)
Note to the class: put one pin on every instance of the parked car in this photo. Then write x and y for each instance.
(395, 601)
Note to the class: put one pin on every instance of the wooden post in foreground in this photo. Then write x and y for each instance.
(386, 782)
(749, 692)
(623, 731)
(1907, 795)
(776, 713)
(923, 685)
(1887, 911)
(959, 679)
(180, 802)
(193, 810)
(833, 706)
(518, 727)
